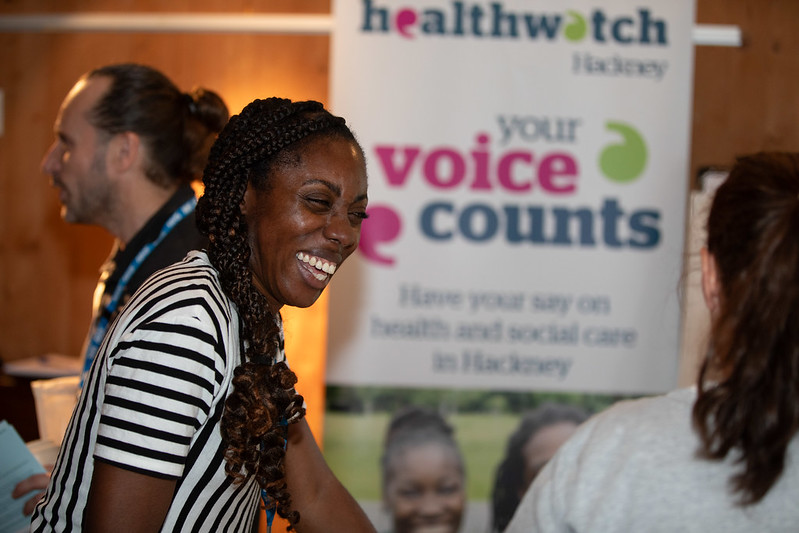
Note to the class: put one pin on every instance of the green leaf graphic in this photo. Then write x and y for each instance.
(624, 162)
(576, 30)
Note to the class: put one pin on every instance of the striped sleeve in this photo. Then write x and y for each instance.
(152, 403)
(163, 378)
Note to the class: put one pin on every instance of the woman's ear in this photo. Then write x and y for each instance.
(248, 202)
(710, 280)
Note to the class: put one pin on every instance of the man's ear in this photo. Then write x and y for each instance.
(124, 151)
(710, 280)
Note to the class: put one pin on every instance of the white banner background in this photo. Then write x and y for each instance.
(591, 304)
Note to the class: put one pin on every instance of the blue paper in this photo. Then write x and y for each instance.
(16, 463)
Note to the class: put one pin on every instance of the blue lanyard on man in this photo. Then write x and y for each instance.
(101, 325)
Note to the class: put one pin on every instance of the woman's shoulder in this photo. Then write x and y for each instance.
(638, 424)
(634, 410)
(189, 278)
(648, 410)
(187, 289)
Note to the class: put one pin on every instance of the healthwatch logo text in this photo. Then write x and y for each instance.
(493, 20)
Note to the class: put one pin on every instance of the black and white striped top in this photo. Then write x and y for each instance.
(152, 403)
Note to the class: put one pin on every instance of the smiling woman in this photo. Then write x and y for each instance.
(424, 478)
(302, 187)
(189, 413)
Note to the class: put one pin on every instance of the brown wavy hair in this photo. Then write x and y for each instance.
(749, 382)
(264, 136)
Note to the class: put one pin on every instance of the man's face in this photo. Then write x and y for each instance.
(76, 160)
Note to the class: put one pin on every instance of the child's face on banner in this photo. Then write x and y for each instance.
(425, 491)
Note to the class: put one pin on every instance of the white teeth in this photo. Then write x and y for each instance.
(319, 264)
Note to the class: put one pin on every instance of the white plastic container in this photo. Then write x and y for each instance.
(55, 400)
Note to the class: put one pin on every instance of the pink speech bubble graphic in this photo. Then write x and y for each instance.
(406, 19)
(382, 226)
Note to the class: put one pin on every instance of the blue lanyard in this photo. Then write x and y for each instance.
(270, 511)
(268, 506)
(102, 323)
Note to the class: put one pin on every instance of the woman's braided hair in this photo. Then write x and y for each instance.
(263, 401)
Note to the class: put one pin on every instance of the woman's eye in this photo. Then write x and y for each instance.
(360, 215)
(318, 202)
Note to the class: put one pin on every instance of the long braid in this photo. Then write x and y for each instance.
(263, 400)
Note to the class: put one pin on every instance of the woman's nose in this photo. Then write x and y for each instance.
(432, 506)
(339, 228)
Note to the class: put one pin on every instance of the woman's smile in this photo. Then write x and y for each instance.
(321, 269)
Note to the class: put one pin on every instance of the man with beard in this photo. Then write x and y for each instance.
(128, 145)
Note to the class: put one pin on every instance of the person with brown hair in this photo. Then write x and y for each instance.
(724, 455)
(128, 145)
(189, 415)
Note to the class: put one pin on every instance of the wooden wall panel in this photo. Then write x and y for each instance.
(48, 268)
(745, 99)
(168, 6)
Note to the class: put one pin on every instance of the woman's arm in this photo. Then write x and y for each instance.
(125, 501)
(323, 502)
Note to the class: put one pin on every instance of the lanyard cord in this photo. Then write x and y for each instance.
(269, 507)
(270, 511)
(100, 327)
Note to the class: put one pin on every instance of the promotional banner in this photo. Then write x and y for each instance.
(520, 268)
(527, 187)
